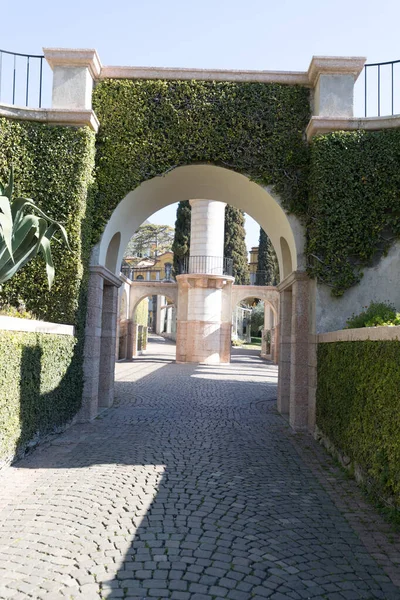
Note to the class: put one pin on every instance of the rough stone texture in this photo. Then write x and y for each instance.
(191, 487)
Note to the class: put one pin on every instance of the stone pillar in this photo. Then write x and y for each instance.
(100, 342)
(205, 311)
(107, 347)
(131, 340)
(298, 412)
(73, 74)
(284, 341)
(207, 237)
(333, 80)
(91, 353)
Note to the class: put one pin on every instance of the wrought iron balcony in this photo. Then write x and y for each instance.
(206, 265)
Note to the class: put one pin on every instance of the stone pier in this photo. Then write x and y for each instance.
(205, 305)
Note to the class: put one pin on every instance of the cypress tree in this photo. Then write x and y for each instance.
(267, 266)
(181, 244)
(235, 244)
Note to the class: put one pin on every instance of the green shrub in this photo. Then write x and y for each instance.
(40, 387)
(358, 407)
(377, 313)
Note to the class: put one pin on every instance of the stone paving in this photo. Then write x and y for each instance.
(191, 487)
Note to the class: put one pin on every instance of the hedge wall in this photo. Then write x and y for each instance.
(40, 387)
(354, 203)
(53, 165)
(150, 127)
(358, 407)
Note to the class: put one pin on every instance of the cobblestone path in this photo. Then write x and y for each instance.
(191, 487)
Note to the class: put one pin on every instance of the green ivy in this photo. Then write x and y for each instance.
(354, 204)
(40, 387)
(358, 407)
(149, 127)
(53, 165)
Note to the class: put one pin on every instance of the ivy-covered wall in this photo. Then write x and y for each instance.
(353, 214)
(40, 387)
(53, 165)
(358, 407)
(41, 376)
(150, 127)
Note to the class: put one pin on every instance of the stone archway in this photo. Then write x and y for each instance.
(270, 296)
(286, 234)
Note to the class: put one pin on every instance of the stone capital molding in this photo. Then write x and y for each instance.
(290, 280)
(79, 57)
(334, 65)
(321, 125)
(288, 77)
(108, 276)
(52, 116)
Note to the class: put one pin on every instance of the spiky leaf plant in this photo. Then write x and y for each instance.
(25, 230)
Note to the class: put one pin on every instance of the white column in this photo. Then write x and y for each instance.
(207, 237)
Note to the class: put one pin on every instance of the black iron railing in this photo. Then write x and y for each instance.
(381, 88)
(207, 265)
(21, 78)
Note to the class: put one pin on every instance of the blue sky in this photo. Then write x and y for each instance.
(232, 34)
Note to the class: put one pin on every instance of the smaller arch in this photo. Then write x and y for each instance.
(113, 251)
(267, 294)
(286, 257)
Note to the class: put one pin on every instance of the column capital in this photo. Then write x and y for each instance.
(332, 79)
(78, 57)
(335, 65)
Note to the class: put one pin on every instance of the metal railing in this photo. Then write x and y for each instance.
(380, 91)
(21, 78)
(206, 265)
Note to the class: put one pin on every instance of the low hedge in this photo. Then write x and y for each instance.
(40, 388)
(358, 408)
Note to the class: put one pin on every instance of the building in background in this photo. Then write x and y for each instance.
(152, 268)
(253, 264)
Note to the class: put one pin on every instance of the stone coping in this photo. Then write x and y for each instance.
(32, 326)
(360, 335)
(320, 125)
(288, 77)
(52, 116)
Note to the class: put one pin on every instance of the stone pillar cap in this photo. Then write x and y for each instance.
(81, 57)
(335, 65)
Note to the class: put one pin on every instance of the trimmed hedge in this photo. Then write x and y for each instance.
(354, 203)
(53, 165)
(358, 407)
(40, 387)
(150, 127)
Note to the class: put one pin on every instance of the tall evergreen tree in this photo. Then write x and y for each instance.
(235, 244)
(181, 244)
(267, 266)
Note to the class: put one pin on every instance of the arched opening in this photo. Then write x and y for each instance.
(113, 250)
(215, 183)
(211, 183)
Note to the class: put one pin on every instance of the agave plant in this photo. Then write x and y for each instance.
(24, 231)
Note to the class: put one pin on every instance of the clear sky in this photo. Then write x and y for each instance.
(232, 34)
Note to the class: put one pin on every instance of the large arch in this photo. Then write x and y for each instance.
(213, 183)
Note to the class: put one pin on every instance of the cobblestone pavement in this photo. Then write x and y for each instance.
(191, 487)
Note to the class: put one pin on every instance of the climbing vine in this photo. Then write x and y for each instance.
(150, 127)
(354, 204)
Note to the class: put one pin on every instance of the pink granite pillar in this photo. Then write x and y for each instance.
(285, 347)
(298, 410)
